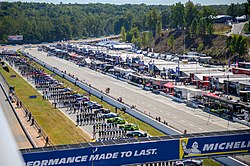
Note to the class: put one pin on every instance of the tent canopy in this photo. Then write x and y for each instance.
(212, 94)
(169, 85)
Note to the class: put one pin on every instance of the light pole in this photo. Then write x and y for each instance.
(184, 38)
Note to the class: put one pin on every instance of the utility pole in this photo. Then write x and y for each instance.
(184, 38)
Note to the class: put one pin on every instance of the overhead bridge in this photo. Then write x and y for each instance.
(142, 150)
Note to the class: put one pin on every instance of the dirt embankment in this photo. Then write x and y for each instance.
(214, 46)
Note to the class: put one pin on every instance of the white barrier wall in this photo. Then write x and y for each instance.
(137, 114)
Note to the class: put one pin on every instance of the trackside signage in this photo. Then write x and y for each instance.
(106, 155)
(133, 153)
(212, 146)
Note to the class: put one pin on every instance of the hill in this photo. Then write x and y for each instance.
(215, 46)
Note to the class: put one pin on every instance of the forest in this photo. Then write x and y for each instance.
(47, 22)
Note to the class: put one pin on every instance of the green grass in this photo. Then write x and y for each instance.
(221, 29)
(143, 126)
(57, 126)
(210, 162)
(245, 29)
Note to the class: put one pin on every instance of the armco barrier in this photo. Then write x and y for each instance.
(112, 101)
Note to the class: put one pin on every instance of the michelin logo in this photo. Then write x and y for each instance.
(226, 146)
(193, 150)
(212, 148)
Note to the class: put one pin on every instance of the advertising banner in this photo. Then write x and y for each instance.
(106, 155)
(15, 38)
(135, 153)
(213, 146)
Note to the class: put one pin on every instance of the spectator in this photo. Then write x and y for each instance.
(46, 141)
(32, 121)
(39, 133)
(17, 104)
(29, 116)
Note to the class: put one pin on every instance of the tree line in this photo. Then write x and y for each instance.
(47, 22)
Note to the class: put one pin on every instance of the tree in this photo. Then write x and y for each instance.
(177, 15)
(232, 10)
(193, 28)
(210, 29)
(153, 17)
(139, 43)
(235, 10)
(241, 45)
(237, 45)
(247, 12)
(200, 47)
(150, 39)
(202, 27)
(165, 19)
(130, 18)
(190, 13)
(158, 28)
(134, 32)
(171, 42)
(123, 34)
(145, 39)
(133, 39)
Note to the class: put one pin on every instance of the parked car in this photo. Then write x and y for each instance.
(116, 120)
(179, 163)
(192, 162)
(129, 127)
(136, 134)
(95, 106)
(89, 103)
(109, 115)
(102, 110)
(189, 162)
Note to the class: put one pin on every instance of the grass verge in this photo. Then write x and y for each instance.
(210, 162)
(143, 126)
(59, 128)
(221, 29)
(245, 28)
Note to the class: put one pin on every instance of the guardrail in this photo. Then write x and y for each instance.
(18, 119)
(107, 98)
(26, 112)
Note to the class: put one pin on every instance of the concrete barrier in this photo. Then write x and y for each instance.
(241, 121)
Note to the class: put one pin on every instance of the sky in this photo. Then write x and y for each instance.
(149, 2)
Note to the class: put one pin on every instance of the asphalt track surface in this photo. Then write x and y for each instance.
(237, 28)
(216, 122)
(18, 133)
(175, 114)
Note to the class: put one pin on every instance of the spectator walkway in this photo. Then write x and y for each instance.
(33, 132)
(16, 128)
